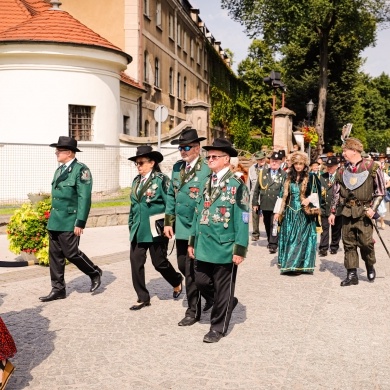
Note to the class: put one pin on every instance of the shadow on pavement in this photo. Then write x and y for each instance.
(82, 284)
(161, 289)
(34, 343)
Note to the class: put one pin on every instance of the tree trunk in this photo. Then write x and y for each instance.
(323, 90)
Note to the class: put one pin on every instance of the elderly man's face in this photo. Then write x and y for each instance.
(260, 162)
(217, 160)
(189, 155)
(274, 164)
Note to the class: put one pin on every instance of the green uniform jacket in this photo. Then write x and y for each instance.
(71, 198)
(267, 190)
(150, 200)
(326, 195)
(221, 230)
(183, 192)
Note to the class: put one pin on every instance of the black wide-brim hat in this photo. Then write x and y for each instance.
(187, 136)
(224, 145)
(68, 143)
(332, 161)
(147, 151)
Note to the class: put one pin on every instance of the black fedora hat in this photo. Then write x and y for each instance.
(187, 136)
(68, 143)
(276, 156)
(224, 145)
(331, 161)
(147, 151)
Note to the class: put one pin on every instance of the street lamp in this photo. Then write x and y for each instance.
(309, 110)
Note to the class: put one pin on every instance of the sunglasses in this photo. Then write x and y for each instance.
(139, 164)
(185, 148)
(213, 157)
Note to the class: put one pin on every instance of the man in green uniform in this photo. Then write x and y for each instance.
(71, 202)
(266, 193)
(359, 189)
(327, 180)
(188, 174)
(219, 236)
(253, 175)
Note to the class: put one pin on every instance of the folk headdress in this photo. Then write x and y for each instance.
(299, 157)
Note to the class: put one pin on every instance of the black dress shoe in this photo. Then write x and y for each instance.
(333, 251)
(176, 294)
(272, 250)
(351, 279)
(235, 302)
(54, 295)
(371, 274)
(96, 280)
(188, 321)
(140, 306)
(323, 253)
(208, 305)
(212, 337)
(255, 238)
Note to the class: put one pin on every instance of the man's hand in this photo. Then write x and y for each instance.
(370, 212)
(191, 252)
(237, 259)
(305, 202)
(276, 217)
(255, 208)
(168, 231)
(78, 231)
(331, 219)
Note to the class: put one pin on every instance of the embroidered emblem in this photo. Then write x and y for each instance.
(85, 176)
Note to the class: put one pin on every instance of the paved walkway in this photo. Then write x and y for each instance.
(302, 332)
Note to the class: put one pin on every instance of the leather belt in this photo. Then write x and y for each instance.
(356, 202)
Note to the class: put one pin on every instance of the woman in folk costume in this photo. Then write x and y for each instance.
(298, 205)
(148, 198)
(7, 350)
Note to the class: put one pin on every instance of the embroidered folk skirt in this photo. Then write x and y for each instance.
(7, 344)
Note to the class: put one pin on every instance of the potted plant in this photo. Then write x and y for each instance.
(27, 233)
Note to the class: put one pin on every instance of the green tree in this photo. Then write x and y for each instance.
(284, 22)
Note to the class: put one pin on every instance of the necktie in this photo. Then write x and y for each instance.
(62, 169)
(214, 179)
(141, 184)
(188, 167)
(273, 175)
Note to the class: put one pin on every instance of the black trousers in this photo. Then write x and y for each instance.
(186, 267)
(220, 280)
(158, 254)
(268, 217)
(65, 245)
(335, 234)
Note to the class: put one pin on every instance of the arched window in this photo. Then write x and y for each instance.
(157, 72)
(178, 85)
(171, 81)
(147, 129)
(146, 66)
(185, 88)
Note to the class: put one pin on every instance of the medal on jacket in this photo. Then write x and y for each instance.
(204, 219)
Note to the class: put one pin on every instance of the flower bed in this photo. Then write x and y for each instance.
(26, 230)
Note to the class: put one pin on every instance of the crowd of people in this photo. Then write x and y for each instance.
(206, 205)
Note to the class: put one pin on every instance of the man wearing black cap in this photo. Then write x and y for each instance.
(267, 189)
(327, 180)
(219, 236)
(71, 202)
(188, 175)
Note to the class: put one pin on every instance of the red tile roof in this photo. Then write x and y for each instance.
(128, 80)
(35, 21)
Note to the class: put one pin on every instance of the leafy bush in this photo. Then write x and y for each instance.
(26, 230)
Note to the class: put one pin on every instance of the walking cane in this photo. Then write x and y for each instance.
(377, 232)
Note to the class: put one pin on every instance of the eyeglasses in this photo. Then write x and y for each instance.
(185, 148)
(140, 163)
(213, 157)
(60, 151)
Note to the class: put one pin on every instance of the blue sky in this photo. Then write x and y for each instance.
(232, 36)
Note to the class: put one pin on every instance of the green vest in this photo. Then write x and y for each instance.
(71, 198)
(183, 192)
(221, 221)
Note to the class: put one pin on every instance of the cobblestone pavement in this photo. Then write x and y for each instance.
(302, 332)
